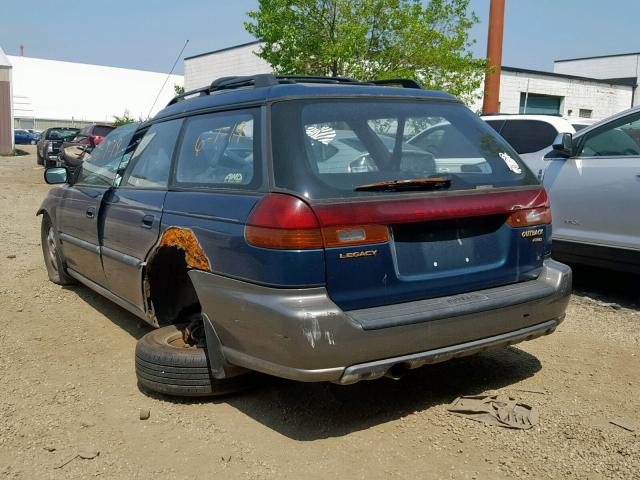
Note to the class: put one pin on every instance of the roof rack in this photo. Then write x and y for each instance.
(269, 80)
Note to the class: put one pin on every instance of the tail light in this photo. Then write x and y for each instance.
(530, 217)
(286, 222)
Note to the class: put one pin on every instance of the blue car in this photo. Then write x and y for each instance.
(292, 226)
(24, 137)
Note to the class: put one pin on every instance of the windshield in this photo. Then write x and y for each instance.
(327, 148)
(62, 133)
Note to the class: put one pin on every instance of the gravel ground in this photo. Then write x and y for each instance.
(67, 386)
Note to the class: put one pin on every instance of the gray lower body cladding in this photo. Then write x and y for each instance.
(301, 334)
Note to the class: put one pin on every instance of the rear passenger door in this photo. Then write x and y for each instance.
(133, 210)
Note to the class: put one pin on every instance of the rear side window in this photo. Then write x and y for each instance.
(102, 130)
(495, 124)
(219, 149)
(527, 136)
(332, 148)
(151, 161)
(62, 133)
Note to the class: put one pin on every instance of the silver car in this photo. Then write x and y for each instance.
(593, 180)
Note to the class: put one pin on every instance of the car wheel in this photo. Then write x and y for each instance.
(55, 267)
(166, 364)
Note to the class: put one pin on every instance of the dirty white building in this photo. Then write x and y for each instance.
(623, 68)
(573, 94)
(55, 93)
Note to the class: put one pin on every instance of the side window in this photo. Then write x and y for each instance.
(101, 165)
(619, 138)
(527, 136)
(149, 165)
(495, 124)
(218, 149)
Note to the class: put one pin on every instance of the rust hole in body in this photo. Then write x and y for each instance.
(185, 240)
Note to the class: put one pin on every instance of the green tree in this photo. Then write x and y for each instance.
(371, 39)
(123, 120)
(179, 89)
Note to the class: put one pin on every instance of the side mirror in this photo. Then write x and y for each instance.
(55, 175)
(563, 144)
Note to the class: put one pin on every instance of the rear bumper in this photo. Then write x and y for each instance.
(302, 335)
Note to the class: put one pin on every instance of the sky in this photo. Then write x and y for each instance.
(149, 34)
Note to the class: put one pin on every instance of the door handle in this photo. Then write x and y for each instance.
(147, 221)
(91, 212)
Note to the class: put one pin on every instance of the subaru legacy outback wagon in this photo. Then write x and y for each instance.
(286, 225)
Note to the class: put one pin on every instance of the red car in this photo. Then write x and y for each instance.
(93, 134)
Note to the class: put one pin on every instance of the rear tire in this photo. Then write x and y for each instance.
(164, 364)
(51, 253)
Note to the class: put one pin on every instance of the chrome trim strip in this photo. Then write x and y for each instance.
(79, 243)
(121, 257)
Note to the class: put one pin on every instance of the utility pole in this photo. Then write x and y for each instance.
(491, 102)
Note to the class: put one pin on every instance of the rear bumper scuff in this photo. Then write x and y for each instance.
(302, 335)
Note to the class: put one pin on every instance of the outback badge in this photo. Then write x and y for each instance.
(532, 233)
(362, 253)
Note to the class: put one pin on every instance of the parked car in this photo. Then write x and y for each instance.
(593, 180)
(529, 135)
(51, 140)
(24, 137)
(284, 225)
(92, 135)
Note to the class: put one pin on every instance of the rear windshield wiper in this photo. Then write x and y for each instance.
(430, 183)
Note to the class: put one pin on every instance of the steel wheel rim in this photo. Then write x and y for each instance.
(51, 248)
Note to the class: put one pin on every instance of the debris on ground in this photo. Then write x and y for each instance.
(145, 413)
(615, 306)
(623, 424)
(85, 454)
(495, 410)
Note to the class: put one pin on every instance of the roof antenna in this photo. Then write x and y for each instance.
(166, 79)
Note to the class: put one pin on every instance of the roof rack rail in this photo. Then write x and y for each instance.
(269, 80)
(403, 82)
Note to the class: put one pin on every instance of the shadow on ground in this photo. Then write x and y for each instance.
(128, 322)
(607, 285)
(312, 411)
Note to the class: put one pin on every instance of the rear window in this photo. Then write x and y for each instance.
(62, 133)
(327, 148)
(527, 136)
(102, 130)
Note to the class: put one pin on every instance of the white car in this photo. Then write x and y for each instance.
(593, 181)
(531, 135)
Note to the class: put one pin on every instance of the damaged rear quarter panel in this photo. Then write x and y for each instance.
(218, 220)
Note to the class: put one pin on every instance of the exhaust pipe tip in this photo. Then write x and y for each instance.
(397, 371)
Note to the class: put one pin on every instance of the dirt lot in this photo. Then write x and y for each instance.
(67, 384)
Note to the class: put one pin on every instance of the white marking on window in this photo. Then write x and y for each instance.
(510, 162)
